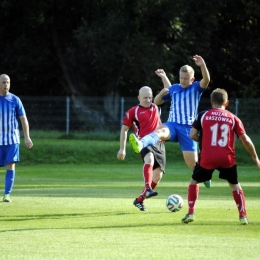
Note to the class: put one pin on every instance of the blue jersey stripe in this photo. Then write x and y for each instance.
(10, 109)
(184, 103)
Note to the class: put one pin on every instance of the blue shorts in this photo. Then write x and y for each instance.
(181, 133)
(9, 154)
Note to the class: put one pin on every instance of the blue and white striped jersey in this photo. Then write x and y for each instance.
(11, 108)
(184, 102)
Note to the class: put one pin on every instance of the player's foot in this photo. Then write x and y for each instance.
(207, 184)
(140, 205)
(244, 221)
(150, 193)
(136, 144)
(188, 218)
(7, 198)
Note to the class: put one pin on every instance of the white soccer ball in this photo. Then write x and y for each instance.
(174, 203)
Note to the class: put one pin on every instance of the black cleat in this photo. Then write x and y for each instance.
(139, 205)
(150, 193)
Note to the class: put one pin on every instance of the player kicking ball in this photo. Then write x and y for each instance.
(144, 119)
(184, 97)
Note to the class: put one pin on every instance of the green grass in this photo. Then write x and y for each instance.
(53, 148)
(85, 211)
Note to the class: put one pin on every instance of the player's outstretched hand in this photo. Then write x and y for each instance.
(121, 155)
(160, 73)
(198, 60)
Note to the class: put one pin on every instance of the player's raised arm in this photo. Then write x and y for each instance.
(166, 84)
(158, 100)
(199, 61)
(161, 73)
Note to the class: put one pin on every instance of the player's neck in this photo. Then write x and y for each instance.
(219, 107)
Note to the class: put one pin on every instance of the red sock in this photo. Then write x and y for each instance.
(193, 193)
(153, 185)
(140, 198)
(240, 200)
(147, 174)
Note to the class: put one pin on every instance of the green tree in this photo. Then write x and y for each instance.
(112, 47)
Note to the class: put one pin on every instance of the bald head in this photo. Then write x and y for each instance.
(4, 84)
(144, 89)
(145, 96)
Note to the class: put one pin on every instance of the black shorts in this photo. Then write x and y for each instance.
(158, 151)
(201, 174)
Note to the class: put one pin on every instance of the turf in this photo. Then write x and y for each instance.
(86, 212)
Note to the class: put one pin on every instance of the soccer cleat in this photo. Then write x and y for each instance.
(150, 193)
(207, 184)
(7, 198)
(244, 221)
(136, 144)
(139, 205)
(188, 218)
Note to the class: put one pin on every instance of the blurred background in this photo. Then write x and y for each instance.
(78, 65)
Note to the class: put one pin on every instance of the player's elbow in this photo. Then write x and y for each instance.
(194, 137)
(158, 101)
(194, 134)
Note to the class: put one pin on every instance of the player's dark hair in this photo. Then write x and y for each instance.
(219, 96)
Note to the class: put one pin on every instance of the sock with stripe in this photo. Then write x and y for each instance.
(147, 175)
(9, 181)
(240, 200)
(193, 193)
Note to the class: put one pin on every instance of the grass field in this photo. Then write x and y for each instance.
(85, 211)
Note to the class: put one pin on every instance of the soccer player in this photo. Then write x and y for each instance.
(145, 118)
(216, 129)
(184, 97)
(10, 109)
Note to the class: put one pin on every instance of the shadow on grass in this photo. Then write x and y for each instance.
(177, 226)
(59, 216)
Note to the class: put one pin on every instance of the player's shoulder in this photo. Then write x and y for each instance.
(10, 96)
(196, 85)
(175, 86)
(154, 105)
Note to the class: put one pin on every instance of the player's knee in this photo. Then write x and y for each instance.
(163, 132)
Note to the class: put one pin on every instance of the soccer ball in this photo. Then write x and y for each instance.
(174, 203)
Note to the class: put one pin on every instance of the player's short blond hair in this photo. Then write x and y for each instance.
(187, 69)
(219, 96)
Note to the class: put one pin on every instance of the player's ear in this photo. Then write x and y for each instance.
(192, 79)
(226, 103)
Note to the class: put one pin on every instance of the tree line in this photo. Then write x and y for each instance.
(113, 47)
